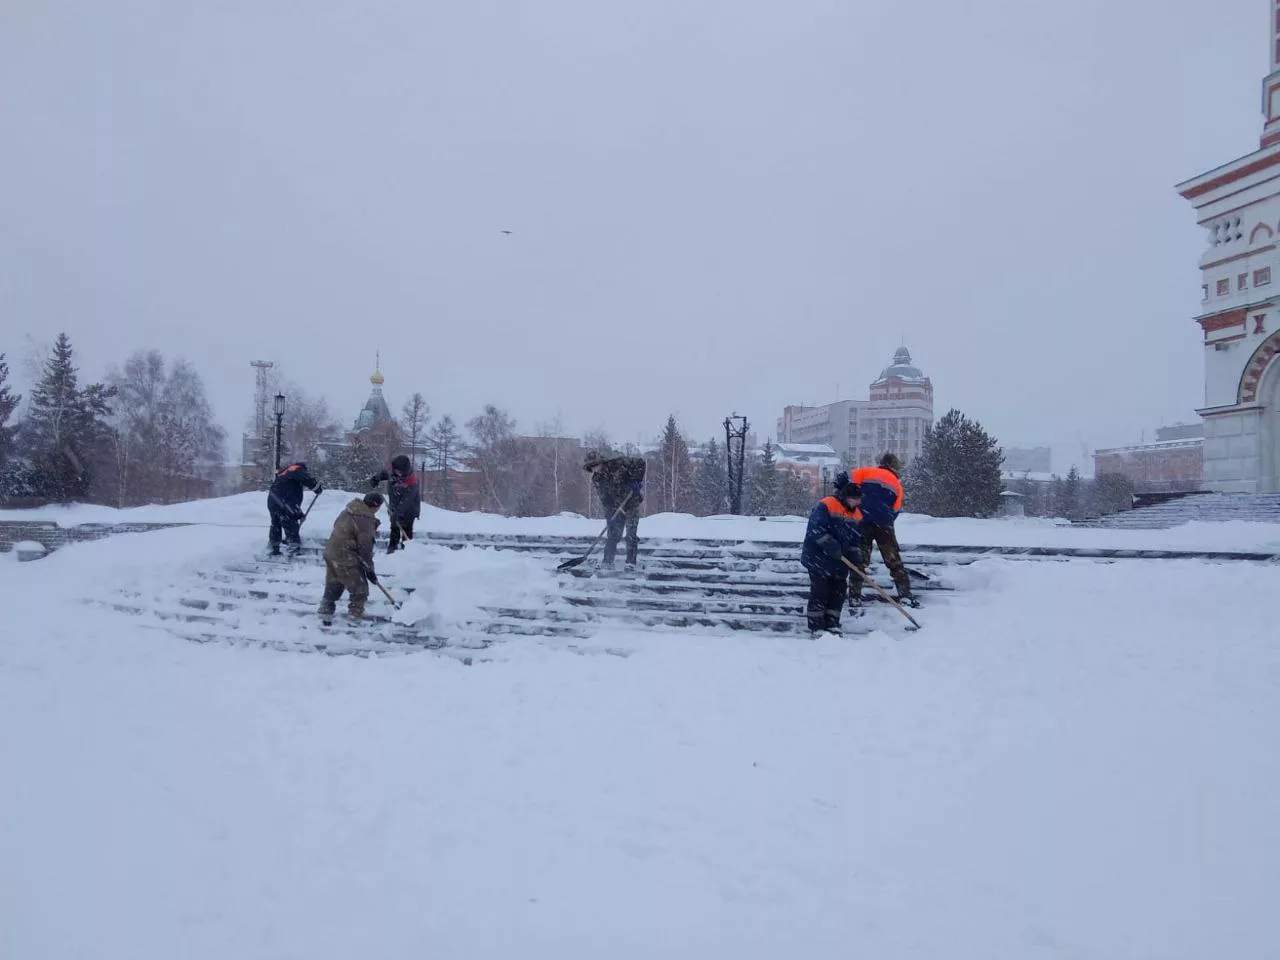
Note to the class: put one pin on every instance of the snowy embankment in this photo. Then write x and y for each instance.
(1071, 760)
(248, 509)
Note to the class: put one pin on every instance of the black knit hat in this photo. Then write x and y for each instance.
(373, 500)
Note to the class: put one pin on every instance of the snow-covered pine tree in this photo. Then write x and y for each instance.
(66, 427)
(1053, 497)
(351, 467)
(958, 471)
(762, 491)
(8, 404)
(711, 482)
(794, 498)
(1111, 493)
(1070, 503)
(669, 482)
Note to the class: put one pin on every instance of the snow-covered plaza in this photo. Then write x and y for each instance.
(1074, 758)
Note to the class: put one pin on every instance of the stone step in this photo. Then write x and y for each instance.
(1201, 507)
(718, 622)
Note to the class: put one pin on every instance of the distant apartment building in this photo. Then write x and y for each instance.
(893, 419)
(814, 464)
(1174, 463)
(1028, 460)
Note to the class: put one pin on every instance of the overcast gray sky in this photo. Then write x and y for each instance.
(715, 206)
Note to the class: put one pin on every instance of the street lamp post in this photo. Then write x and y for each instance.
(279, 409)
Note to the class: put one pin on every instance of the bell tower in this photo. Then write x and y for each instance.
(1271, 85)
(1238, 206)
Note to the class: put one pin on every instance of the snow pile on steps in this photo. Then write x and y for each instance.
(466, 596)
(215, 590)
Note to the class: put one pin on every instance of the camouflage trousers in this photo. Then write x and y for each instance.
(340, 577)
(886, 538)
(629, 521)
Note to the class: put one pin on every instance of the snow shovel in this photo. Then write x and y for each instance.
(404, 534)
(390, 599)
(308, 510)
(878, 589)
(579, 561)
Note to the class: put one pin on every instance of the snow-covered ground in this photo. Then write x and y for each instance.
(1070, 760)
(248, 509)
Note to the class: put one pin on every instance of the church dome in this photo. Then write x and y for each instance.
(375, 410)
(901, 368)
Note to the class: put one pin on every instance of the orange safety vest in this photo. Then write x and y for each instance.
(835, 506)
(879, 476)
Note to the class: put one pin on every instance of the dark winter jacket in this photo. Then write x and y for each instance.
(350, 545)
(405, 502)
(881, 495)
(285, 495)
(617, 477)
(831, 522)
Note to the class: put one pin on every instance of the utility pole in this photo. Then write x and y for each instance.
(260, 396)
(279, 409)
(735, 446)
(261, 456)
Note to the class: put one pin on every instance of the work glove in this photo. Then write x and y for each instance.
(371, 576)
(298, 513)
(830, 546)
(374, 481)
(318, 490)
(637, 487)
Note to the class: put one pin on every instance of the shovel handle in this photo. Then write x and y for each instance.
(878, 589)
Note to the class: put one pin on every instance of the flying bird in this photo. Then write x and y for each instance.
(507, 232)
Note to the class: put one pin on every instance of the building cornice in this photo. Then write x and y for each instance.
(1239, 256)
(1229, 409)
(1229, 173)
(1217, 318)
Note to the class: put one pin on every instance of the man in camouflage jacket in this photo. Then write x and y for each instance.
(348, 557)
(619, 482)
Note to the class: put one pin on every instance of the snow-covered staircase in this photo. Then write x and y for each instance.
(1204, 507)
(708, 586)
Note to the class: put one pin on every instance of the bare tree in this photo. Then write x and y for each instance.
(444, 444)
(168, 445)
(308, 423)
(413, 422)
(551, 466)
(494, 452)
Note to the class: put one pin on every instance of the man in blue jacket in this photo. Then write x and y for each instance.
(831, 538)
(284, 505)
(881, 504)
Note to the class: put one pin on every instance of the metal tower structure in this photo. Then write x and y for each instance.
(260, 397)
(735, 446)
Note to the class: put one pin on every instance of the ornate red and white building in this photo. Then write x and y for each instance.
(1238, 204)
